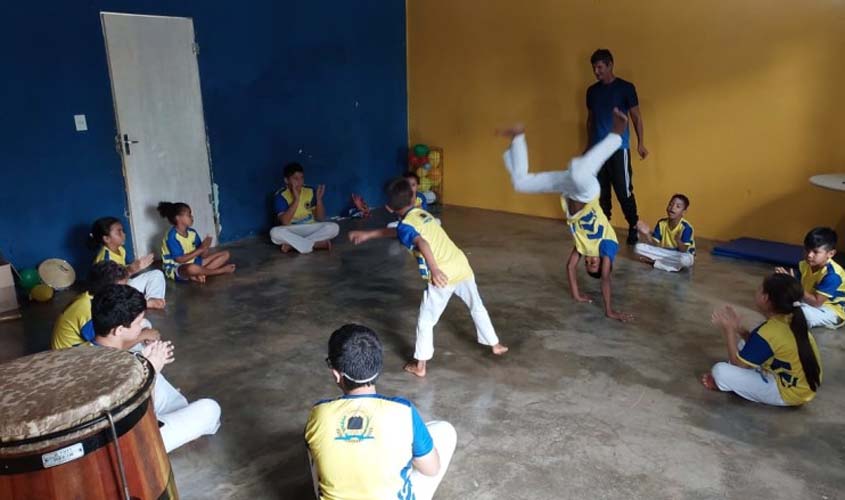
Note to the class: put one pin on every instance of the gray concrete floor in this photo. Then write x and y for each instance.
(580, 408)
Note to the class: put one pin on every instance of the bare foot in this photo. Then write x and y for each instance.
(646, 260)
(323, 245)
(199, 278)
(709, 382)
(499, 349)
(416, 367)
(511, 132)
(285, 248)
(228, 269)
(156, 303)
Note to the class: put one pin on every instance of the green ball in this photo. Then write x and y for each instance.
(421, 150)
(29, 278)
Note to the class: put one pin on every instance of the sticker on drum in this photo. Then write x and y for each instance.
(62, 456)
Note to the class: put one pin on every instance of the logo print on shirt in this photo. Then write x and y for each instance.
(355, 426)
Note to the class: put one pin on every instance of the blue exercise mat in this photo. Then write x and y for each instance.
(753, 249)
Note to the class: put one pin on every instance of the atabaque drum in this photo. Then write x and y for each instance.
(79, 424)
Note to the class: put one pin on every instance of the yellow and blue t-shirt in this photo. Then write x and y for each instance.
(592, 232)
(772, 347)
(667, 237)
(107, 255)
(450, 259)
(307, 203)
(74, 325)
(419, 201)
(829, 281)
(175, 245)
(362, 446)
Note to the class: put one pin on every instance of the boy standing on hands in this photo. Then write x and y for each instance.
(441, 263)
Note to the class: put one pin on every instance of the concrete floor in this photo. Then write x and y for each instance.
(581, 407)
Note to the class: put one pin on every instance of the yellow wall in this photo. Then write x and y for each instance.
(742, 101)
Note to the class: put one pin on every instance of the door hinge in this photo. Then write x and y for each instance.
(196, 48)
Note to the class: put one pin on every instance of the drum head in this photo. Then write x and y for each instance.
(57, 273)
(54, 391)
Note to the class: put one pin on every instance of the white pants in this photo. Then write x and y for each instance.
(578, 183)
(183, 422)
(665, 258)
(151, 283)
(753, 385)
(445, 438)
(821, 316)
(434, 302)
(303, 236)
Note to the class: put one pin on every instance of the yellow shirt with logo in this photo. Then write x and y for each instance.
(307, 203)
(829, 281)
(449, 258)
(362, 446)
(107, 255)
(74, 325)
(668, 237)
(772, 347)
(592, 232)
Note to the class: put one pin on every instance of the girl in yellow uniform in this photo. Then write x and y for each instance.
(184, 255)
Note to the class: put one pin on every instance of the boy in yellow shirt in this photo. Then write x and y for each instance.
(441, 263)
(300, 213)
(672, 245)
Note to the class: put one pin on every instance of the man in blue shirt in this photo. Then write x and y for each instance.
(607, 93)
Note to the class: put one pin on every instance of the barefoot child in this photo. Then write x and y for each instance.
(441, 263)
(579, 191)
(301, 215)
(822, 278)
(778, 362)
(183, 254)
(673, 243)
(107, 237)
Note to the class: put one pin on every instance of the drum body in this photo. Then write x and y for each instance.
(56, 437)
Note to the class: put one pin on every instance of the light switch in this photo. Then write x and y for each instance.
(81, 124)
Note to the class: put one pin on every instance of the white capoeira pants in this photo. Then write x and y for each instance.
(183, 421)
(821, 316)
(665, 258)
(303, 236)
(752, 384)
(151, 283)
(445, 439)
(434, 303)
(579, 182)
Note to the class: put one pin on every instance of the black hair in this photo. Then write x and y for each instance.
(99, 230)
(597, 274)
(411, 175)
(785, 293)
(171, 210)
(116, 305)
(356, 352)
(601, 55)
(103, 274)
(292, 168)
(681, 197)
(820, 237)
(399, 194)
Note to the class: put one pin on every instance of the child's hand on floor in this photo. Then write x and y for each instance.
(783, 270)
(439, 278)
(358, 237)
(584, 299)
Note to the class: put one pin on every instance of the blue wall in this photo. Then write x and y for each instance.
(319, 82)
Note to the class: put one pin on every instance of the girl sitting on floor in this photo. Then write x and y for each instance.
(778, 362)
(184, 255)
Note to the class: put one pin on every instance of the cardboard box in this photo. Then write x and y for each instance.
(8, 296)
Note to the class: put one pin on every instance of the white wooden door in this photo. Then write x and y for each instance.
(160, 124)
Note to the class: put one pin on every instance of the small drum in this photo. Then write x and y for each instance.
(79, 423)
(58, 274)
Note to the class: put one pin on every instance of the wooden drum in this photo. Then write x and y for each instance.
(59, 414)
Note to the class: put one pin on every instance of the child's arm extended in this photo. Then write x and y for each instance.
(606, 292)
(358, 237)
(572, 273)
(438, 277)
(140, 264)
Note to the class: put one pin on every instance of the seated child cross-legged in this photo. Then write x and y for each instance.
(365, 445)
(107, 237)
(301, 215)
(184, 255)
(778, 362)
(441, 263)
(579, 190)
(674, 242)
(822, 279)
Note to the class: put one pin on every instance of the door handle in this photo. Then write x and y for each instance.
(126, 143)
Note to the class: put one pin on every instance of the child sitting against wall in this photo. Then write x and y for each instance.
(673, 243)
(184, 255)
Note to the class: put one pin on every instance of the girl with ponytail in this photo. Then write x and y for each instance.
(184, 255)
(778, 362)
